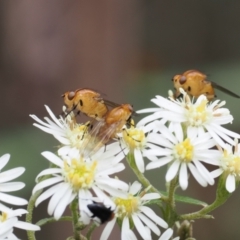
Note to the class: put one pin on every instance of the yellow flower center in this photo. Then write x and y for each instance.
(3, 217)
(77, 133)
(231, 163)
(126, 207)
(184, 151)
(134, 138)
(198, 114)
(79, 173)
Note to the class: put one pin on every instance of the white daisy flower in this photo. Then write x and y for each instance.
(77, 177)
(229, 165)
(134, 140)
(132, 209)
(184, 153)
(7, 186)
(9, 220)
(198, 116)
(66, 130)
(167, 235)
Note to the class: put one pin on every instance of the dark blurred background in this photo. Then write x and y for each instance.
(128, 50)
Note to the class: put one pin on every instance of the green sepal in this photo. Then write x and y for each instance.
(188, 200)
(154, 201)
(119, 222)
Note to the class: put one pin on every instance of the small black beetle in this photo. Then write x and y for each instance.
(103, 213)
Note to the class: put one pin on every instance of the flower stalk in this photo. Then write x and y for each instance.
(145, 182)
(75, 217)
(221, 197)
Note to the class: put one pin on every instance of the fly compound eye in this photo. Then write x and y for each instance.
(182, 80)
(71, 95)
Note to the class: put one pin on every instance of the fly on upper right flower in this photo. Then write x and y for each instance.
(197, 116)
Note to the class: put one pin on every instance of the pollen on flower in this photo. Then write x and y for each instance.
(184, 151)
(198, 114)
(77, 133)
(126, 207)
(3, 217)
(80, 174)
(231, 163)
(134, 138)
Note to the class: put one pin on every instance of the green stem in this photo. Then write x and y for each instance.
(30, 207)
(171, 192)
(31, 204)
(221, 198)
(141, 177)
(90, 231)
(171, 215)
(75, 217)
(44, 221)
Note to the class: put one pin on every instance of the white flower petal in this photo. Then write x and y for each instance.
(55, 199)
(62, 140)
(167, 234)
(64, 150)
(183, 176)
(172, 171)
(46, 183)
(103, 197)
(140, 227)
(197, 175)
(218, 140)
(12, 199)
(192, 132)
(11, 186)
(230, 183)
(151, 214)
(53, 159)
(48, 193)
(126, 233)
(27, 226)
(135, 188)
(117, 168)
(161, 162)
(113, 183)
(216, 173)
(53, 116)
(167, 134)
(178, 131)
(149, 223)
(11, 174)
(165, 103)
(157, 151)
(107, 230)
(139, 160)
(4, 160)
(147, 110)
(63, 203)
(204, 172)
(113, 191)
(49, 171)
(150, 196)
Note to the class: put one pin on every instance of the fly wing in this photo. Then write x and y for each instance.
(223, 89)
(98, 137)
(91, 142)
(110, 103)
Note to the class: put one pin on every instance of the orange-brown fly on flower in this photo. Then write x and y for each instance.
(115, 119)
(107, 128)
(195, 83)
(88, 102)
